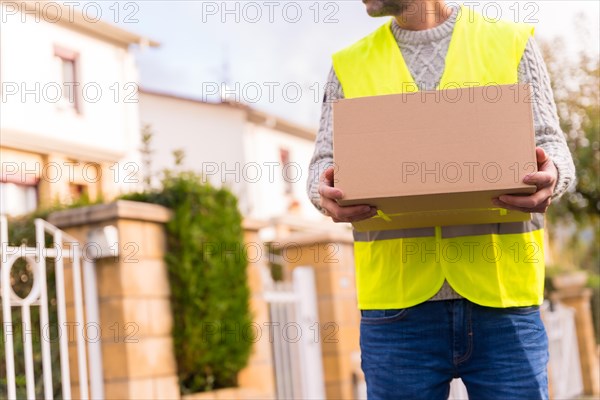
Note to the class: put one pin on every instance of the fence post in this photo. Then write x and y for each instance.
(133, 292)
(579, 299)
(258, 376)
(330, 254)
(90, 289)
(310, 354)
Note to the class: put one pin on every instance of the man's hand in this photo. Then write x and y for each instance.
(544, 179)
(329, 195)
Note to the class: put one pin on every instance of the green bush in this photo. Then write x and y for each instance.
(207, 271)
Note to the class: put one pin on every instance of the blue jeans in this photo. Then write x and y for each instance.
(414, 353)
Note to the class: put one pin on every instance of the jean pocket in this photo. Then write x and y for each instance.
(382, 316)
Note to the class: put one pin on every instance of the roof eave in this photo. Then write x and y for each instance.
(67, 17)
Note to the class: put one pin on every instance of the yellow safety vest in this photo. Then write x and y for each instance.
(496, 265)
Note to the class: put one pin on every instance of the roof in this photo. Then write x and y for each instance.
(191, 98)
(252, 115)
(72, 17)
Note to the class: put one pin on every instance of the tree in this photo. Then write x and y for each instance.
(576, 85)
(576, 82)
(146, 153)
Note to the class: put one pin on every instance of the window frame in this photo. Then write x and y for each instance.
(65, 54)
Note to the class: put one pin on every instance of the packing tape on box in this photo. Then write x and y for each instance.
(384, 216)
(388, 217)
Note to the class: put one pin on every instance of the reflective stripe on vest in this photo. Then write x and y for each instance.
(497, 265)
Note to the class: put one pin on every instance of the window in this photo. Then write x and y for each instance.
(67, 61)
(77, 191)
(16, 199)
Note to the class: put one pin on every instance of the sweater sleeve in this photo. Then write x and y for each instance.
(323, 154)
(548, 134)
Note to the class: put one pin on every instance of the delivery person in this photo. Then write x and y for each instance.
(426, 318)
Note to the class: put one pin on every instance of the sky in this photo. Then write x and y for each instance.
(275, 55)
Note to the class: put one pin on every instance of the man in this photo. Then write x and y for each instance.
(417, 334)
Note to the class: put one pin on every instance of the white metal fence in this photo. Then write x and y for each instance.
(295, 333)
(564, 366)
(66, 253)
(458, 391)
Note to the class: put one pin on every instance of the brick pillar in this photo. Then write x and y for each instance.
(133, 291)
(331, 255)
(579, 299)
(258, 376)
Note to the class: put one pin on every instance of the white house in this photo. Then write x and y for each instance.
(72, 114)
(70, 118)
(262, 158)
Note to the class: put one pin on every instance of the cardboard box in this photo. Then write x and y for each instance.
(435, 158)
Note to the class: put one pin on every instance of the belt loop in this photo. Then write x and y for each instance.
(438, 233)
(438, 243)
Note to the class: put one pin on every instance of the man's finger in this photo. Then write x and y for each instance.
(539, 208)
(330, 192)
(361, 215)
(358, 217)
(369, 214)
(327, 176)
(540, 179)
(352, 211)
(336, 211)
(526, 201)
(502, 204)
(541, 155)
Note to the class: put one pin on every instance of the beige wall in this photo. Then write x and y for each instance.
(135, 313)
(57, 176)
(332, 257)
(134, 300)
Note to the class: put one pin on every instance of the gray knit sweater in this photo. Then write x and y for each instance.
(425, 52)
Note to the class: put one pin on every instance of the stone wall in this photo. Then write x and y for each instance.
(331, 254)
(133, 291)
(135, 313)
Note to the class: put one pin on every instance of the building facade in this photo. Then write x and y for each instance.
(261, 158)
(69, 113)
